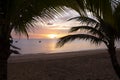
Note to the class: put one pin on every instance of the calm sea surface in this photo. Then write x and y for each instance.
(33, 46)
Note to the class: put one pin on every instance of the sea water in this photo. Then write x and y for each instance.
(32, 46)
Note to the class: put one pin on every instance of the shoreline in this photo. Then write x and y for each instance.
(59, 55)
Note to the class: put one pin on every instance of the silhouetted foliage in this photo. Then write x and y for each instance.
(103, 26)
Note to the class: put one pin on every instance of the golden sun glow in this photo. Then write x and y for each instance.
(52, 36)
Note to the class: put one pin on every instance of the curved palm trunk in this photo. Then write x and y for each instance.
(4, 55)
(115, 64)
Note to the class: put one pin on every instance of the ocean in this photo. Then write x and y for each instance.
(47, 46)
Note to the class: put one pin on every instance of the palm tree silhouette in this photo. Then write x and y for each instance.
(98, 31)
(18, 15)
(103, 27)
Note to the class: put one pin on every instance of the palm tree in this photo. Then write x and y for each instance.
(104, 26)
(100, 29)
(18, 15)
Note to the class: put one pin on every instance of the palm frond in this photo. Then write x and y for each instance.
(107, 29)
(117, 17)
(70, 38)
(23, 29)
(84, 19)
(24, 11)
(91, 30)
(14, 52)
(14, 47)
(82, 7)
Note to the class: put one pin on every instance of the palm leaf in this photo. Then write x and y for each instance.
(14, 52)
(107, 29)
(91, 30)
(14, 47)
(84, 19)
(117, 18)
(70, 38)
(20, 13)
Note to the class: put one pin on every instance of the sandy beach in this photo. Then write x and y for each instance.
(79, 65)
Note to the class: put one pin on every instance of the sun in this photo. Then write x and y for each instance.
(52, 36)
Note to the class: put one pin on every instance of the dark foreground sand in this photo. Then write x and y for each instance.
(93, 65)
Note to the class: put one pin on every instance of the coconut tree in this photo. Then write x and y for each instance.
(98, 31)
(18, 15)
(102, 27)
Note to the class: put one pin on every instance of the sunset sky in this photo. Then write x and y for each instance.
(52, 29)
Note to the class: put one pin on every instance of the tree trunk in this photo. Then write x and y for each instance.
(4, 55)
(3, 69)
(115, 64)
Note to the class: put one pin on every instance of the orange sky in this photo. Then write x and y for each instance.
(58, 28)
(44, 31)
